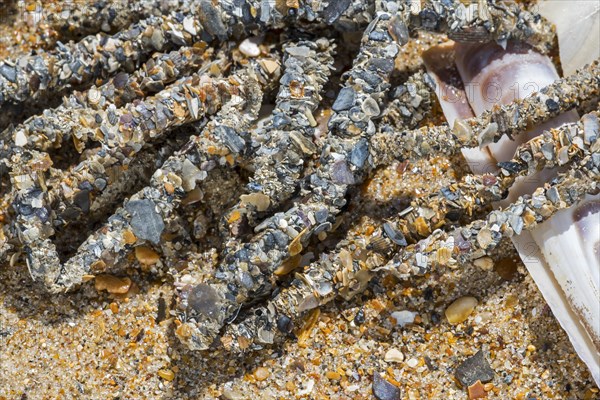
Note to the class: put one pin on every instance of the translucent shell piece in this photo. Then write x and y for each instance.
(578, 30)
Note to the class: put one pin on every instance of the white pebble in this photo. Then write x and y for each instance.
(250, 47)
(283, 223)
(308, 388)
(485, 263)
(413, 362)
(20, 138)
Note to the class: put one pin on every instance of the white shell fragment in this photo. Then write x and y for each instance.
(404, 317)
(578, 30)
(564, 263)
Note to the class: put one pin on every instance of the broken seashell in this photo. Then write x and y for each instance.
(258, 200)
(570, 286)
(572, 293)
(450, 90)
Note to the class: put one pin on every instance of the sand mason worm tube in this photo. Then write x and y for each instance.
(88, 110)
(288, 138)
(341, 273)
(346, 160)
(194, 97)
(247, 269)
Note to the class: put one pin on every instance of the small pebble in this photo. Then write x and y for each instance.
(394, 355)
(204, 299)
(9, 72)
(94, 95)
(298, 51)
(485, 263)
(261, 374)
(460, 309)
(249, 47)
(334, 9)
(157, 39)
(473, 369)
(341, 173)
(412, 362)
(166, 374)
(112, 284)
(359, 153)
(477, 391)
(384, 390)
(511, 300)
(231, 394)
(404, 317)
(188, 25)
(129, 237)
(145, 255)
(398, 30)
(344, 100)
(359, 318)
(161, 313)
(332, 375)
(484, 238)
(146, 223)
(270, 66)
(308, 387)
(591, 127)
(422, 227)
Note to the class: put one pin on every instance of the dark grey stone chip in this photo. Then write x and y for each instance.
(232, 140)
(146, 223)
(334, 10)
(359, 153)
(344, 100)
(9, 72)
(473, 369)
(384, 390)
(204, 300)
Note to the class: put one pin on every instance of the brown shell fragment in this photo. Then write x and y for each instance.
(112, 284)
(146, 255)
